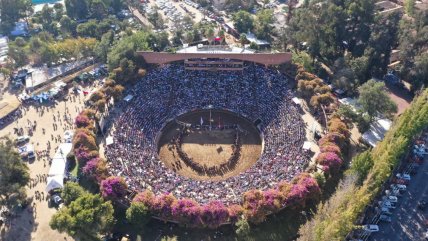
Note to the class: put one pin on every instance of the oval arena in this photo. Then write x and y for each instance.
(207, 135)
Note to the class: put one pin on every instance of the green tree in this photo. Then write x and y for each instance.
(19, 55)
(361, 165)
(375, 101)
(243, 21)
(68, 26)
(243, 39)
(138, 214)
(71, 192)
(13, 10)
(419, 73)
(243, 228)
(264, 24)
(102, 48)
(76, 9)
(97, 8)
(14, 175)
(409, 7)
(85, 218)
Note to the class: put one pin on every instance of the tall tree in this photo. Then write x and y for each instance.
(11, 11)
(243, 21)
(85, 218)
(409, 7)
(138, 214)
(375, 101)
(14, 175)
(76, 9)
(264, 24)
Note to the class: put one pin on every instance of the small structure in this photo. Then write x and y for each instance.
(20, 29)
(8, 106)
(57, 171)
(376, 132)
(384, 7)
(3, 50)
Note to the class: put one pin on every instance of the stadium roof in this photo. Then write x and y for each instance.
(198, 52)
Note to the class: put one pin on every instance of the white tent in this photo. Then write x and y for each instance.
(109, 140)
(296, 101)
(59, 160)
(307, 145)
(55, 182)
(377, 131)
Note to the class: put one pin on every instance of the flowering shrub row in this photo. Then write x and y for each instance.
(256, 204)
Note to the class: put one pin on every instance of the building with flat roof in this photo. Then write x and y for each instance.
(216, 57)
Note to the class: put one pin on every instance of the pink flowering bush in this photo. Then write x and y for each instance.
(113, 188)
(253, 206)
(235, 212)
(332, 137)
(146, 197)
(96, 168)
(187, 211)
(214, 214)
(83, 155)
(330, 161)
(331, 148)
(82, 121)
(305, 188)
(273, 200)
(163, 206)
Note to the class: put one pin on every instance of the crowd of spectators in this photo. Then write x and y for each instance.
(166, 92)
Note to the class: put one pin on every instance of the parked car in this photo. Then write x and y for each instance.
(388, 204)
(422, 204)
(400, 187)
(392, 199)
(385, 218)
(371, 228)
(403, 176)
(385, 211)
(22, 140)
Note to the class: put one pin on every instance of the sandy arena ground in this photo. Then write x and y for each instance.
(33, 224)
(212, 148)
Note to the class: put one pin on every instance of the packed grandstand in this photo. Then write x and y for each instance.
(256, 93)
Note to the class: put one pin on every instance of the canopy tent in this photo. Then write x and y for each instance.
(109, 140)
(307, 145)
(296, 101)
(59, 160)
(377, 131)
(55, 182)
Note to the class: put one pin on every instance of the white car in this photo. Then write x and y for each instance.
(371, 228)
(388, 204)
(403, 176)
(22, 139)
(392, 199)
(400, 187)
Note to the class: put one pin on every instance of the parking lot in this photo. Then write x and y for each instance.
(400, 212)
(408, 221)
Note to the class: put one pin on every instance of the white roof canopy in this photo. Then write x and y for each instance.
(377, 131)
(59, 160)
(55, 182)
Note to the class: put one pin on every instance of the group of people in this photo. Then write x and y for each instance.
(203, 170)
(256, 93)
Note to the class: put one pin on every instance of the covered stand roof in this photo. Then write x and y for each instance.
(220, 53)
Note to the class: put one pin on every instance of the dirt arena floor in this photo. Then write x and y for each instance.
(211, 147)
